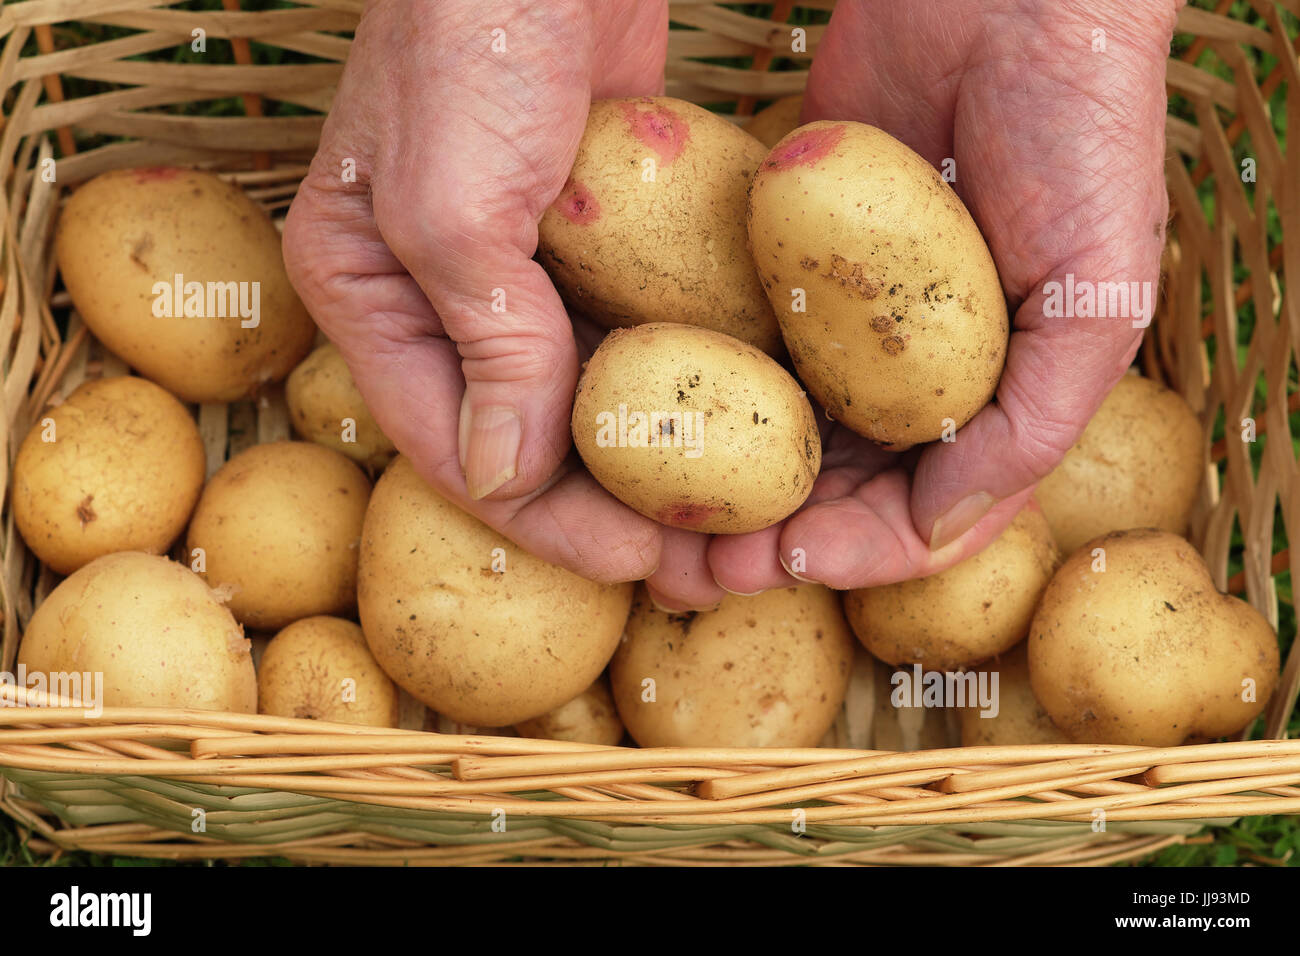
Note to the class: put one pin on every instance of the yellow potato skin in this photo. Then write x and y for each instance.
(279, 526)
(481, 647)
(1138, 464)
(320, 393)
(1147, 652)
(1020, 718)
(303, 669)
(589, 718)
(759, 449)
(160, 637)
(123, 474)
(905, 328)
(626, 251)
(977, 608)
(769, 670)
(773, 123)
(125, 230)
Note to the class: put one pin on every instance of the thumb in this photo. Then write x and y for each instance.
(463, 223)
(1058, 370)
(510, 329)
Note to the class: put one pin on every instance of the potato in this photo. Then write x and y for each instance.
(1146, 651)
(763, 671)
(321, 668)
(1020, 718)
(650, 226)
(1138, 464)
(181, 275)
(326, 408)
(152, 628)
(977, 608)
(478, 629)
(695, 429)
(118, 466)
(887, 296)
(589, 718)
(770, 125)
(279, 526)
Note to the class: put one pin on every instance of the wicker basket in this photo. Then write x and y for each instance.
(132, 781)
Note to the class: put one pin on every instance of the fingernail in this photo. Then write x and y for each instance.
(737, 593)
(960, 518)
(490, 436)
(785, 564)
(666, 610)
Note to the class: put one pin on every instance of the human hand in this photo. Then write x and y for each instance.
(1059, 154)
(458, 147)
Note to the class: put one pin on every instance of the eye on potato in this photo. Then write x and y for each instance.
(1138, 464)
(695, 429)
(977, 608)
(887, 296)
(764, 671)
(180, 274)
(465, 621)
(1146, 651)
(650, 226)
(156, 632)
(278, 526)
(118, 466)
(321, 668)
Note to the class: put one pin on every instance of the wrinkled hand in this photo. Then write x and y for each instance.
(1059, 155)
(457, 149)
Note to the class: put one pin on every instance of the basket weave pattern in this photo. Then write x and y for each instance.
(133, 781)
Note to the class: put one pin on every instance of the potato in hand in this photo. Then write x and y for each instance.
(696, 429)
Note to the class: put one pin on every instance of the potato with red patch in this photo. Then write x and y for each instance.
(887, 296)
(650, 225)
(695, 429)
(180, 273)
(769, 670)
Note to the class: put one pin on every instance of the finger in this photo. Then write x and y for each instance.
(1055, 378)
(749, 563)
(867, 539)
(388, 333)
(683, 580)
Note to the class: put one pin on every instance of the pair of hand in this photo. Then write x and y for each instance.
(1057, 133)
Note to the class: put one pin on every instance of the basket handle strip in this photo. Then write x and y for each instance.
(830, 766)
(1192, 753)
(902, 813)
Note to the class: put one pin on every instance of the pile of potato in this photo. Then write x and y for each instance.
(736, 280)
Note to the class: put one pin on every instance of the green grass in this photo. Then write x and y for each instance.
(1272, 840)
